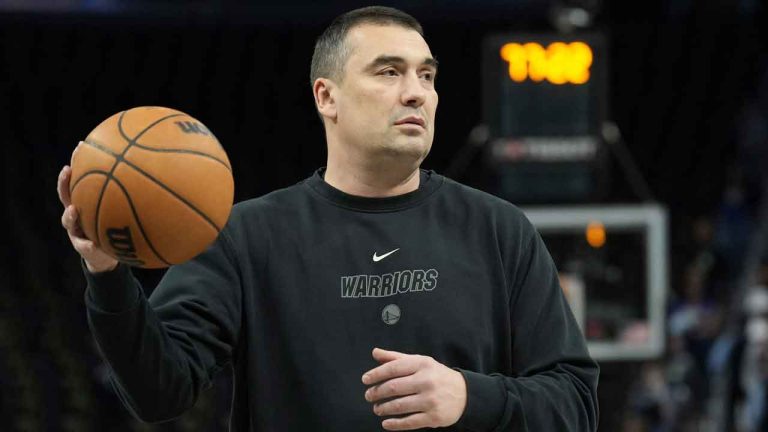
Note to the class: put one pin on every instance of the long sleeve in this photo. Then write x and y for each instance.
(553, 385)
(164, 350)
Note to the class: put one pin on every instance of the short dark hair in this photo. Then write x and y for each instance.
(331, 52)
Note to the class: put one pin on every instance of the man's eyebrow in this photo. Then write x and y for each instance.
(431, 61)
(383, 60)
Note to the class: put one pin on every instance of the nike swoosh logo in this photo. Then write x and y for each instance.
(377, 258)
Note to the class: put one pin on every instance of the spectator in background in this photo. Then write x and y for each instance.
(694, 324)
(753, 378)
(650, 402)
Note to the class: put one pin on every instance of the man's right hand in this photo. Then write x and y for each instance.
(96, 260)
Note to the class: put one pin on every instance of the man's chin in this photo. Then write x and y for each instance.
(411, 149)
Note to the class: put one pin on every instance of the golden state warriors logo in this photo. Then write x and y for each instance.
(391, 314)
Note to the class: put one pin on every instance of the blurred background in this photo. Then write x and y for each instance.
(634, 134)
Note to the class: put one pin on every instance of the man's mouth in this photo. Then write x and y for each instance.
(414, 120)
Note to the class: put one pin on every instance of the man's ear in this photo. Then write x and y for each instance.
(324, 91)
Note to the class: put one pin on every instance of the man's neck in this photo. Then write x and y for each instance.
(372, 182)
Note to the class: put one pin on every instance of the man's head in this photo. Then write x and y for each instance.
(373, 81)
(331, 50)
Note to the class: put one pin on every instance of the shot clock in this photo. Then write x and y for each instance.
(544, 104)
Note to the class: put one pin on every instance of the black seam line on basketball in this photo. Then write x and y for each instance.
(86, 174)
(99, 147)
(133, 210)
(146, 129)
(170, 191)
(132, 165)
(120, 128)
(119, 158)
(102, 147)
(138, 222)
(109, 177)
(183, 151)
(134, 142)
(112, 153)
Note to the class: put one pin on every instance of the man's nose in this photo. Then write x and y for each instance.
(414, 94)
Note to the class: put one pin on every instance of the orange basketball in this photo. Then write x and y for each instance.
(152, 186)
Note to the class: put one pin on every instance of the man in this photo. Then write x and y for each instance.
(373, 294)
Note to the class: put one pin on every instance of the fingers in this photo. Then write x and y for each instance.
(413, 421)
(79, 241)
(397, 368)
(383, 356)
(65, 176)
(395, 387)
(426, 391)
(70, 223)
(95, 259)
(82, 245)
(404, 405)
(62, 185)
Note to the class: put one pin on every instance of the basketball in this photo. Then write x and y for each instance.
(152, 186)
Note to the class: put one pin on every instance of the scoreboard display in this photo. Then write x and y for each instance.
(544, 104)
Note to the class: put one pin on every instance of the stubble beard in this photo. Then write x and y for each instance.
(405, 147)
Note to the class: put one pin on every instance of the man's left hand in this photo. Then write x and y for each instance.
(424, 392)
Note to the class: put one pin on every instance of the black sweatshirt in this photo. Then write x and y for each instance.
(304, 282)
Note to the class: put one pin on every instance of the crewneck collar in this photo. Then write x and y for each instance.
(429, 182)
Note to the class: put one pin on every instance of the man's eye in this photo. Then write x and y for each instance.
(429, 76)
(389, 72)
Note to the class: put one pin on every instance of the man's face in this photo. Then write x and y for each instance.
(386, 100)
